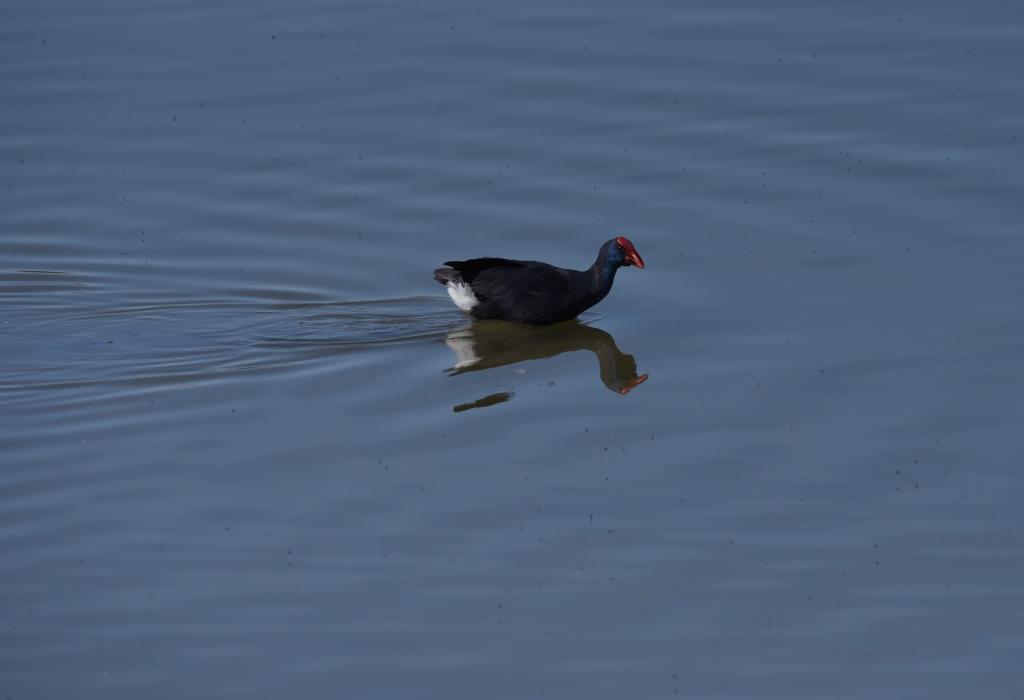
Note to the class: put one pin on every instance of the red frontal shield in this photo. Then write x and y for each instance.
(631, 255)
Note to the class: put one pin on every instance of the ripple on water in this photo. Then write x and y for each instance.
(194, 340)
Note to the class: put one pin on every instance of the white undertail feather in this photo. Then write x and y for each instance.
(462, 295)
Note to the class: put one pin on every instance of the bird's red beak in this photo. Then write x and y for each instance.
(632, 257)
(633, 384)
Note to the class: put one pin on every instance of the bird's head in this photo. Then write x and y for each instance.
(622, 252)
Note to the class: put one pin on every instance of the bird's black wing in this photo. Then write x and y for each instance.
(530, 293)
(523, 291)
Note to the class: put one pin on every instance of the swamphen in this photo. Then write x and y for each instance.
(530, 292)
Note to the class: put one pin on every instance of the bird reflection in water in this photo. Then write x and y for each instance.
(489, 344)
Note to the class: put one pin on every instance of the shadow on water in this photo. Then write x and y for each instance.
(490, 344)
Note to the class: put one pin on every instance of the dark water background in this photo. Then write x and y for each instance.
(241, 459)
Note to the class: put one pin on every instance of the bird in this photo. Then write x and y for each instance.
(534, 293)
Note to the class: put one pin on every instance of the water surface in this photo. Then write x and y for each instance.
(250, 448)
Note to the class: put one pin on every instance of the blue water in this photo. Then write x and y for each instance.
(248, 447)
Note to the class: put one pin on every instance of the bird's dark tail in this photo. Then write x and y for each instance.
(444, 275)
